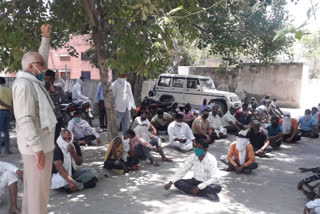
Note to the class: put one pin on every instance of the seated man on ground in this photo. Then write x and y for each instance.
(201, 128)
(188, 115)
(216, 123)
(311, 192)
(243, 115)
(313, 205)
(241, 157)
(259, 139)
(275, 132)
(289, 128)
(82, 132)
(263, 111)
(8, 178)
(204, 166)
(230, 122)
(180, 134)
(142, 118)
(161, 120)
(64, 176)
(308, 125)
(143, 141)
(117, 156)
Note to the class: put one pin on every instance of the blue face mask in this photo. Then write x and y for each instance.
(198, 151)
(77, 120)
(40, 76)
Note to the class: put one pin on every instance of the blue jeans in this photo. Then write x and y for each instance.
(143, 152)
(5, 117)
(83, 175)
(124, 120)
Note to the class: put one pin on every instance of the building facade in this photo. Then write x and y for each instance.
(69, 67)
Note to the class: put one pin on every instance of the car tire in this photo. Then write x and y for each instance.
(166, 98)
(222, 106)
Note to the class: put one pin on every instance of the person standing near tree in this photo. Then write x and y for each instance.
(99, 100)
(124, 102)
(36, 121)
(5, 112)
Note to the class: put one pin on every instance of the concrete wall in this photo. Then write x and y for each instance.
(280, 80)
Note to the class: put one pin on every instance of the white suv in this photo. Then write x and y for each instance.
(193, 89)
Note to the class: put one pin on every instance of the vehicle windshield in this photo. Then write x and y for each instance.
(207, 84)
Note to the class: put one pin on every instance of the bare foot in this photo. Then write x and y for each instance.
(14, 210)
(155, 163)
(167, 159)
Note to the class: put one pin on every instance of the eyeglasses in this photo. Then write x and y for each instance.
(40, 63)
(67, 138)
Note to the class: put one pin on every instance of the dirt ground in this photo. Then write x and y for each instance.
(269, 189)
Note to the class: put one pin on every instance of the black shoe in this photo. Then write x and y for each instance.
(247, 171)
(213, 197)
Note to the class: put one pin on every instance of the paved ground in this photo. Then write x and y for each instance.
(269, 189)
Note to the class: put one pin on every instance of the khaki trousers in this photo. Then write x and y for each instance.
(36, 185)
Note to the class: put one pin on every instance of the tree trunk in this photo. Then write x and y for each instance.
(94, 14)
(136, 82)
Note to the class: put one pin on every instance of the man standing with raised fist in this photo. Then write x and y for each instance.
(36, 122)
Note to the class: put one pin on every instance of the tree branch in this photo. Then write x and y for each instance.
(10, 10)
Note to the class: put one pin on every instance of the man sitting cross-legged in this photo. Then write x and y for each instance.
(204, 166)
(143, 141)
(241, 156)
(201, 127)
(259, 139)
(161, 120)
(308, 125)
(8, 178)
(230, 122)
(117, 157)
(180, 134)
(289, 128)
(63, 174)
(82, 131)
(216, 122)
(275, 133)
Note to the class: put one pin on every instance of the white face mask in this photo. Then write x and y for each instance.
(178, 124)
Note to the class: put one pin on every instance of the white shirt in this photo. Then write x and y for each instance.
(122, 94)
(215, 121)
(81, 129)
(203, 170)
(228, 117)
(138, 121)
(181, 132)
(162, 121)
(77, 91)
(5, 166)
(315, 204)
(4, 181)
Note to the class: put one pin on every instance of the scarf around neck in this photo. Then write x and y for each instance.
(241, 145)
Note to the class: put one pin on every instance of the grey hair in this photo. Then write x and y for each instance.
(28, 58)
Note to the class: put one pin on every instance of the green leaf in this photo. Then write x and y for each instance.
(175, 10)
(298, 35)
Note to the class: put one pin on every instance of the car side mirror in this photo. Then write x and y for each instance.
(198, 87)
